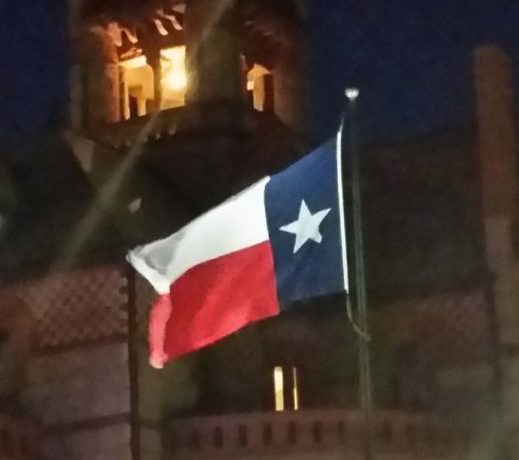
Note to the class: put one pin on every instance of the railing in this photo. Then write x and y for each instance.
(142, 129)
(167, 122)
(394, 432)
(18, 438)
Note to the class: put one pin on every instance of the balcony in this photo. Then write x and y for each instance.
(139, 130)
(313, 434)
(153, 126)
(18, 438)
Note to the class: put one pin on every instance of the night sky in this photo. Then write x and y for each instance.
(33, 68)
(410, 58)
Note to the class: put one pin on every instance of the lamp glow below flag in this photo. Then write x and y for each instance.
(279, 241)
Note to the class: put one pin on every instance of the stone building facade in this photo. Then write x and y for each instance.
(173, 107)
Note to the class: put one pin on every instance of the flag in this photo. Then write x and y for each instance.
(281, 240)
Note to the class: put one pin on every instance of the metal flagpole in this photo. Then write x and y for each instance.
(359, 281)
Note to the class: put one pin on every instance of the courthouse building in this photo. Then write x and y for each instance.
(173, 107)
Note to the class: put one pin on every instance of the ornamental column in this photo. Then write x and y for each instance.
(212, 52)
(154, 61)
(102, 79)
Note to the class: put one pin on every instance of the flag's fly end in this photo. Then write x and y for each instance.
(159, 316)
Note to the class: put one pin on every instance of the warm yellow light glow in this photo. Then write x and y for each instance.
(176, 54)
(256, 85)
(257, 71)
(174, 69)
(279, 399)
(175, 79)
(295, 389)
(134, 63)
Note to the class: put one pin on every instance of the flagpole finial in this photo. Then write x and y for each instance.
(351, 93)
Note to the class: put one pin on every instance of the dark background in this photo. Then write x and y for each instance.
(411, 60)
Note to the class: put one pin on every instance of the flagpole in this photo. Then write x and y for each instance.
(359, 271)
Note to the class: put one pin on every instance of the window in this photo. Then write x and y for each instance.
(137, 87)
(286, 388)
(260, 90)
(174, 78)
(145, 87)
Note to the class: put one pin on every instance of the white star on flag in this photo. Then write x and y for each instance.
(306, 227)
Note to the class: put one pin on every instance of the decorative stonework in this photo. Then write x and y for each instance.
(75, 307)
(454, 328)
(313, 434)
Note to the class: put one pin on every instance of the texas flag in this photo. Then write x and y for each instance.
(280, 240)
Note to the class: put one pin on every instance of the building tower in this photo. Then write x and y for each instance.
(173, 106)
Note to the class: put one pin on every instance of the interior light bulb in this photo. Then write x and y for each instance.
(176, 79)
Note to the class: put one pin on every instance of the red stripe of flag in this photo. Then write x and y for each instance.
(212, 300)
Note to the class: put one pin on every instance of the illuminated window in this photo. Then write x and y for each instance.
(174, 79)
(138, 90)
(260, 89)
(139, 94)
(295, 389)
(279, 396)
(286, 389)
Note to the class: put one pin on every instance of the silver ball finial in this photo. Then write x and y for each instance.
(351, 93)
